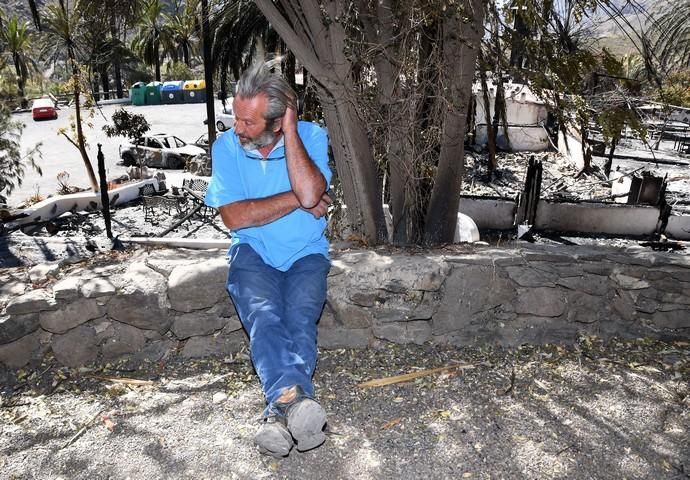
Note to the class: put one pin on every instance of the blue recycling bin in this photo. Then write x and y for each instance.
(171, 92)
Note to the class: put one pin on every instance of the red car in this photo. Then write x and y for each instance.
(43, 108)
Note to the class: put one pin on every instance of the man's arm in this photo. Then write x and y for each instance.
(306, 179)
(260, 211)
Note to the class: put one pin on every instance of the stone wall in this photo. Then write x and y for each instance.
(172, 302)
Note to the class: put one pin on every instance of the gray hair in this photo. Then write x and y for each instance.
(258, 79)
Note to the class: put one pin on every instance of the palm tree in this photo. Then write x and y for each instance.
(633, 66)
(152, 34)
(105, 35)
(673, 42)
(17, 38)
(35, 16)
(184, 28)
(62, 26)
(100, 50)
(209, 68)
(241, 30)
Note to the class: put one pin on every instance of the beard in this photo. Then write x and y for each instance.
(260, 141)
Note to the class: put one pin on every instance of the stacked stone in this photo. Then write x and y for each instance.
(162, 302)
(531, 295)
(155, 305)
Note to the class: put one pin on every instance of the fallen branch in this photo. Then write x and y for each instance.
(391, 423)
(564, 449)
(81, 431)
(13, 405)
(219, 378)
(381, 382)
(127, 381)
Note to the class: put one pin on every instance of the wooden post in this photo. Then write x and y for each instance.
(105, 199)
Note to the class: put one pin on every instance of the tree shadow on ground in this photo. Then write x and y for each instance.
(7, 257)
(531, 413)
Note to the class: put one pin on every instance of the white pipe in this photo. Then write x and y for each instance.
(194, 243)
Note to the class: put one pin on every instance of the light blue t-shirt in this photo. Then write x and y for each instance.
(241, 175)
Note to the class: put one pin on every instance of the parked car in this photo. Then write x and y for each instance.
(202, 141)
(43, 108)
(159, 150)
(225, 119)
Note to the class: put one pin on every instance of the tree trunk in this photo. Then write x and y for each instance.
(105, 81)
(157, 59)
(500, 114)
(661, 132)
(319, 46)
(404, 184)
(609, 160)
(117, 67)
(400, 121)
(586, 147)
(400, 153)
(236, 70)
(95, 87)
(20, 80)
(460, 48)
(81, 144)
(208, 73)
(76, 79)
(36, 17)
(427, 75)
(490, 135)
(118, 79)
(355, 165)
(185, 54)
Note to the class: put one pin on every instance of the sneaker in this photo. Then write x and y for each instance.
(306, 420)
(273, 438)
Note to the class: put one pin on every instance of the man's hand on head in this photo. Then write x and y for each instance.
(288, 123)
(321, 208)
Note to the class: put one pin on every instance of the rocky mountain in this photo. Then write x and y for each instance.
(20, 7)
(634, 14)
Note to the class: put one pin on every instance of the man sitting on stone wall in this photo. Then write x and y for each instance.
(269, 183)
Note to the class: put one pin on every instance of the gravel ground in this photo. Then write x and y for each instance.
(614, 410)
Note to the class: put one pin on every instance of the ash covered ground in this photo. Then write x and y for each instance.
(83, 234)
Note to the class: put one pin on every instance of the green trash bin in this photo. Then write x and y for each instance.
(194, 91)
(153, 93)
(137, 93)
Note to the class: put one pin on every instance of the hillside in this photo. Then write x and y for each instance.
(20, 7)
(637, 15)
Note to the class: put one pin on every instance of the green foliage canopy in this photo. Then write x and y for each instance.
(125, 124)
(12, 163)
(676, 90)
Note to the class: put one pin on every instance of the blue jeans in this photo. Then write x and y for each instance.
(279, 311)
